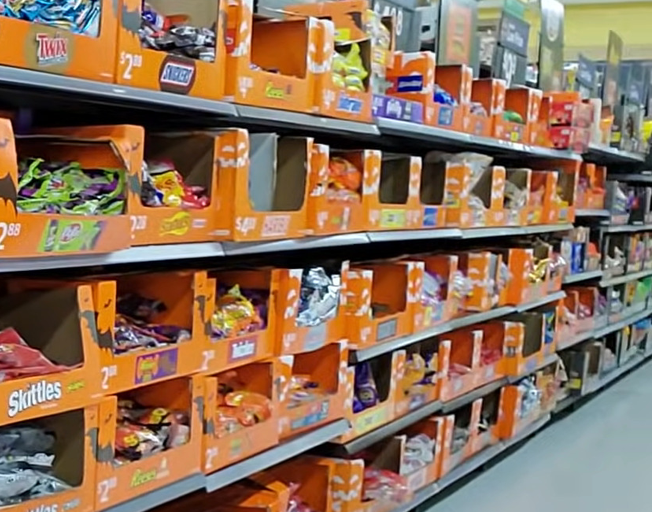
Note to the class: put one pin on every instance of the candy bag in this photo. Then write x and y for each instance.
(18, 360)
(234, 315)
(365, 386)
(384, 485)
(319, 297)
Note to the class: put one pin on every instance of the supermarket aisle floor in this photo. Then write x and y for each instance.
(597, 459)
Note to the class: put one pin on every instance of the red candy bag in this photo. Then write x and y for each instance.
(17, 359)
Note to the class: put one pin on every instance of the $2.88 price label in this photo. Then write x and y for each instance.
(8, 229)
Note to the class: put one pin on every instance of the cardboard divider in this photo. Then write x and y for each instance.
(412, 392)
(588, 299)
(398, 192)
(253, 57)
(487, 432)
(272, 172)
(184, 295)
(291, 338)
(221, 448)
(387, 371)
(511, 422)
(76, 434)
(457, 80)
(432, 192)
(434, 428)
(457, 451)
(137, 66)
(461, 350)
(118, 483)
(53, 49)
(524, 351)
(520, 288)
(234, 351)
(427, 316)
(548, 381)
(375, 311)
(43, 234)
(482, 268)
(66, 333)
(567, 327)
(326, 366)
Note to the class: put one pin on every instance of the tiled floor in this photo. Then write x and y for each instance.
(597, 459)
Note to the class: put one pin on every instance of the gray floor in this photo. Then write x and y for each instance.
(597, 459)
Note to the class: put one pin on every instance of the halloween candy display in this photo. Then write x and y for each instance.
(143, 431)
(319, 297)
(68, 188)
(238, 408)
(79, 17)
(19, 360)
(27, 457)
(134, 328)
(173, 34)
(239, 312)
(164, 186)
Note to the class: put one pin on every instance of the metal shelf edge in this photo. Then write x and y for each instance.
(162, 495)
(625, 278)
(582, 276)
(541, 302)
(473, 395)
(284, 451)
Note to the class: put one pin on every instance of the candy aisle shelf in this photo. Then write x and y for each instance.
(238, 280)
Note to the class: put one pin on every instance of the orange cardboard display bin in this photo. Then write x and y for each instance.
(59, 320)
(387, 371)
(524, 350)
(457, 80)
(492, 350)
(566, 330)
(42, 234)
(119, 483)
(483, 270)
(431, 193)
(426, 315)
(222, 447)
(183, 294)
(292, 338)
(432, 427)
(592, 192)
(326, 366)
(142, 67)
(261, 492)
(542, 187)
(468, 418)
(74, 450)
(419, 382)
(375, 311)
(272, 172)
(520, 262)
(222, 354)
(511, 421)
(252, 50)
(349, 17)
(494, 96)
(54, 49)
(461, 349)
(563, 199)
(517, 197)
(489, 418)
(396, 204)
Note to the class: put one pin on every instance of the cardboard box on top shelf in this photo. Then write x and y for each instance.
(525, 101)
(460, 430)
(225, 441)
(490, 93)
(380, 300)
(514, 417)
(294, 333)
(539, 129)
(74, 443)
(225, 350)
(257, 73)
(428, 315)
(371, 393)
(568, 109)
(183, 295)
(66, 334)
(419, 381)
(272, 172)
(524, 352)
(327, 367)
(40, 234)
(171, 218)
(457, 80)
(340, 189)
(140, 63)
(459, 362)
(119, 483)
(516, 197)
(88, 51)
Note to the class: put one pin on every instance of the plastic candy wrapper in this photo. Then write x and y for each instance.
(477, 109)
(458, 370)
(557, 265)
(162, 185)
(349, 71)
(515, 197)
(66, 187)
(133, 328)
(489, 356)
(344, 181)
(420, 372)
(26, 461)
(319, 297)
(19, 360)
(174, 35)
(617, 260)
(79, 17)
(365, 391)
(239, 312)
(295, 503)
(538, 272)
(530, 397)
(303, 390)
(384, 485)
(513, 117)
(419, 452)
(143, 431)
(460, 438)
(443, 97)
(238, 408)
(431, 290)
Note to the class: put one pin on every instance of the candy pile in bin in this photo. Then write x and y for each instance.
(79, 17)
(26, 464)
(143, 431)
(349, 71)
(237, 407)
(163, 185)
(239, 311)
(344, 181)
(134, 328)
